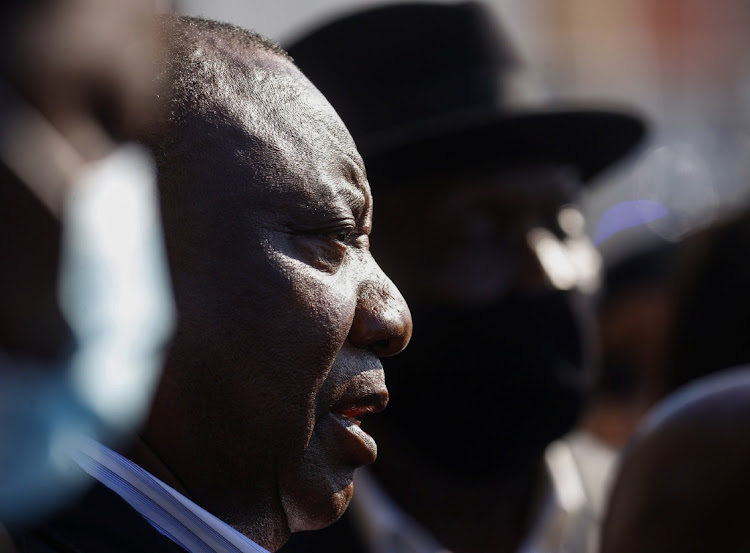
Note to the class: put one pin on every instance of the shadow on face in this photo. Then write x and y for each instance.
(283, 312)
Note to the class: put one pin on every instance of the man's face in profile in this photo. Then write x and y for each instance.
(283, 311)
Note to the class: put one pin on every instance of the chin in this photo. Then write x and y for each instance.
(316, 511)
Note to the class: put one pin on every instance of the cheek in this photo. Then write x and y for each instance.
(323, 298)
(320, 253)
(309, 322)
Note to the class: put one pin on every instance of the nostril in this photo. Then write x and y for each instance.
(383, 330)
(381, 345)
(382, 321)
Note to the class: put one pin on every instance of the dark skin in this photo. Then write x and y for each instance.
(283, 311)
(683, 483)
(468, 245)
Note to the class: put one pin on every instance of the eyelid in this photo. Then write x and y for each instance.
(347, 231)
(327, 229)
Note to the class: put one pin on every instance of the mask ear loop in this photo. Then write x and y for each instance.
(35, 151)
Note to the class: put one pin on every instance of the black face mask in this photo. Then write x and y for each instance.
(482, 391)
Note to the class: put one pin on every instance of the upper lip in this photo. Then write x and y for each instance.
(360, 398)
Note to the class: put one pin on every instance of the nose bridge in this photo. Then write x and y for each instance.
(382, 320)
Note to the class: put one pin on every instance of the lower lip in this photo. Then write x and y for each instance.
(358, 443)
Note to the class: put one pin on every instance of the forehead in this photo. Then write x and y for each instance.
(258, 132)
(288, 134)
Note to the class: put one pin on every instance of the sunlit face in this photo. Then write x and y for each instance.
(473, 233)
(283, 311)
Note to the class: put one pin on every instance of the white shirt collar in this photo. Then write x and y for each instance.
(168, 511)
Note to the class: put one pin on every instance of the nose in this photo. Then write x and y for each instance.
(382, 320)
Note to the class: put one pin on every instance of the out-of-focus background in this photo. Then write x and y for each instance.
(682, 62)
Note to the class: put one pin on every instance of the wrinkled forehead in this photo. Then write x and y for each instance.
(283, 132)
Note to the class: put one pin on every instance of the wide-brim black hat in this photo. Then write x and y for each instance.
(434, 88)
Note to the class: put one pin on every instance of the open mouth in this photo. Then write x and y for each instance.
(359, 447)
(352, 414)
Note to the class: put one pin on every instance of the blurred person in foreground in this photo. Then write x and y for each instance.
(683, 483)
(85, 305)
(254, 432)
(709, 324)
(477, 223)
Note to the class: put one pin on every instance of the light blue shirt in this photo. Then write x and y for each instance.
(168, 511)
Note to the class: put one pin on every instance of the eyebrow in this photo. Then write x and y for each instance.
(357, 192)
(356, 198)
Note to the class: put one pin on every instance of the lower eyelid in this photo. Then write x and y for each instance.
(342, 235)
(363, 241)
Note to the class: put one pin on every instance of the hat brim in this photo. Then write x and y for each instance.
(589, 140)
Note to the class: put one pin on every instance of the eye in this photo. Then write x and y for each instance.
(342, 235)
(326, 245)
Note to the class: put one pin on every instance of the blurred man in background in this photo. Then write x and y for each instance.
(85, 308)
(633, 315)
(477, 223)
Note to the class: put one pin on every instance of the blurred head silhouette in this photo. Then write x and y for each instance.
(682, 484)
(85, 309)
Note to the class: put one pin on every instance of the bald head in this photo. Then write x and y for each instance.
(209, 64)
(202, 53)
(282, 311)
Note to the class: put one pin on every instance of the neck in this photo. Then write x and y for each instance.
(268, 530)
(466, 515)
(138, 451)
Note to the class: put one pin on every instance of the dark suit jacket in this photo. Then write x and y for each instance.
(99, 522)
